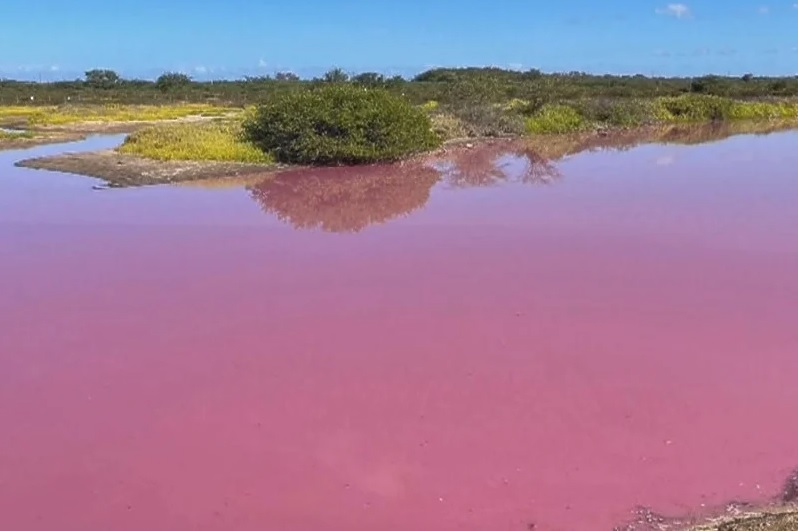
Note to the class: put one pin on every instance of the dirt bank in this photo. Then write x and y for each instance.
(127, 170)
(38, 138)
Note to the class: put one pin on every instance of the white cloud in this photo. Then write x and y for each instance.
(764, 10)
(201, 69)
(675, 10)
(515, 66)
(55, 68)
(262, 63)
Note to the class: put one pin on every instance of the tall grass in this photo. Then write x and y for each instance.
(199, 141)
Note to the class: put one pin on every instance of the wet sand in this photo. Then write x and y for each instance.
(480, 353)
(120, 170)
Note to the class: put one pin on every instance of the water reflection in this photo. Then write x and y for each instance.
(554, 148)
(345, 199)
(351, 199)
(495, 163)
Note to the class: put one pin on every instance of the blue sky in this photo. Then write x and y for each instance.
(59, 39)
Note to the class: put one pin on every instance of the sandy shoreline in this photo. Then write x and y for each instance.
(127, 170)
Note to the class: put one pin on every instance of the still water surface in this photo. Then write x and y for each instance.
(489, 344)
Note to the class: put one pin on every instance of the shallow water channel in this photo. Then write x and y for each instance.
(490, 343)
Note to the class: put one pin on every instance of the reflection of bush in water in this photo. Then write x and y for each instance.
(495, 163)
(350, 199)
(554, 147)
(345, 199)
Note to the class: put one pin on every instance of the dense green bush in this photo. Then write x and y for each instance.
(339, 124)
(618, 113)
(695, 108)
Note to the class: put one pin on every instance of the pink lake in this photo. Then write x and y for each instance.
(367, 350)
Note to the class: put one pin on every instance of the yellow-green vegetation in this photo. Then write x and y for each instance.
(200, 141)
(555, 119)
(15, 135)
(448, 126)
(31, 116)
(592, 114)
(755, 110)
(516, 104)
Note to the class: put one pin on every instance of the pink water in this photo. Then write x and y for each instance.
(456, 357)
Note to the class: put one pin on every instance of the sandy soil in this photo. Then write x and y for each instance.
(127, 170)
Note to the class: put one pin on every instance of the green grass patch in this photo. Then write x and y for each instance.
(559, 119)
(14, 135)
(199, 141)
(73, 114)
(617, 113)
(693, 108)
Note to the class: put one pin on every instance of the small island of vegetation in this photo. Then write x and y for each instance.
(256, 124)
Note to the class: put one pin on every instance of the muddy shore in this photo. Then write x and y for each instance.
(121, 170)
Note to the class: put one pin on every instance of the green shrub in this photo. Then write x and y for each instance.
(555, 119)
(339, 124)
(619, 113)
(694, 108)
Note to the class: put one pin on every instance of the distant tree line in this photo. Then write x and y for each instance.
(443, 85)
